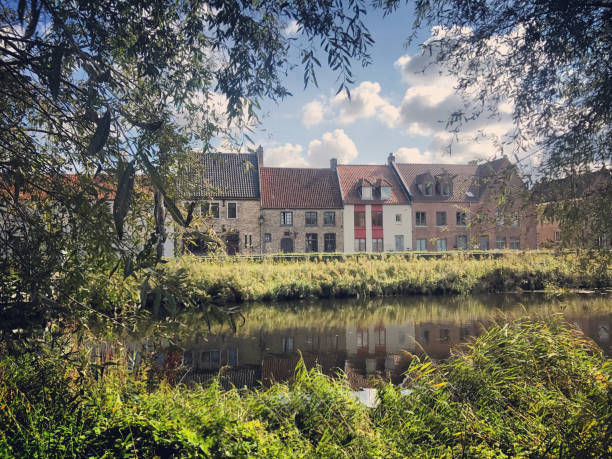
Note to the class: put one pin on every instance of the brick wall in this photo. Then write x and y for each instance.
(297, 231)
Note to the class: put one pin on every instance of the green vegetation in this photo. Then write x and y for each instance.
(241, 281)
(524, 388)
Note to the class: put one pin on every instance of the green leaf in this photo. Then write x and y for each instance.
(159, 184)
(55, 75)
(123, 197)
(101, 135)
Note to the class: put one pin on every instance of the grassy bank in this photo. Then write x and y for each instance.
(242, 281)
(524, 388)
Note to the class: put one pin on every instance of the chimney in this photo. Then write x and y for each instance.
(391, 158)
(333, 164)
(260, 156)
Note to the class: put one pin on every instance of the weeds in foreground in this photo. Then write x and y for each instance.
(524, 388)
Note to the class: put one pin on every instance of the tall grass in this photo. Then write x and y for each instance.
(525, 388)
(362, 277)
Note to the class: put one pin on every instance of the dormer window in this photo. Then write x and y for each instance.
(428, 191)
(366, 192)
(445, 189)
(385, 193)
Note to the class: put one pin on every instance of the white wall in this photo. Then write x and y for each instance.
(348, 220)
(391, 228)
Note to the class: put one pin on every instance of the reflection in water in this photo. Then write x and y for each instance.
(365, 339)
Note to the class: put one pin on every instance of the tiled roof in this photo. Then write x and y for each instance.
(302, 188)
(465, 181)
(351, 177)
(229, 176)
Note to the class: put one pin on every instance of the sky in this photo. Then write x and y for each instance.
(395, 107)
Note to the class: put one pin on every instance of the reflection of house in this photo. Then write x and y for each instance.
(377, 211)
(436, 339)
(301, 210)
(456, 206)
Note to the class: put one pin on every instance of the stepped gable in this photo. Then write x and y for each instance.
(354, 176)
(229, 176)
(299, 188)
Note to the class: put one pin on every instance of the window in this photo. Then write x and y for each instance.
(363, 337)
(329, 241)
(500, 243)
(398, 218)
(360, 245)
(462, 242)
(312, 243)
(377, 218)
(381, 336)
(444, 334)
(360, 219)
(516, 220)
(267, 237)
(421, 219)
(399, 243)
(366, 192)
(210, 358)
(286, 218)
(429, 189)
(385, 193)
(441, 245)
(557, 236)
(440, 218)
(445, 189)
(211, 209)
(426, 336)
(311, 219)
(460, 218)
(499, 218)
(515, 243)
(484, 243)
(287, 344)
(377, 245)
(232, 357)
(329, 218)
(231, 210)
(421, 245)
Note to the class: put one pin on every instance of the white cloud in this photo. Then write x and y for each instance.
(291, 29)
(287, 155)
(335, 144)
(312, 113)
(365, 102)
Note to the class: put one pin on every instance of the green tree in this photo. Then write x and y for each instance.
(101, 99)
(552, 60)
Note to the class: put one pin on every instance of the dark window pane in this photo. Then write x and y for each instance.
(329, 218)
(377, 218)
(231, 210)
(330, 242)
(311, 218)
(441, 218)
(360, 219)
(312, 244)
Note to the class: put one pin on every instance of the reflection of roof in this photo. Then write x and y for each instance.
(229, 175)
(299, 188)
(351, 178)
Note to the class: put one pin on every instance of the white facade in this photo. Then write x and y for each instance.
(391, 226)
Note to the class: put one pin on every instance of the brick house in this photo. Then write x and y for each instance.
(457, 207)
(377, 209)
(229, 190)
(301, 210)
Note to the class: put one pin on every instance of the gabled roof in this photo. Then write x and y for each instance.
(466, 181)
(228, 176)
(299, 188)
(352, 176)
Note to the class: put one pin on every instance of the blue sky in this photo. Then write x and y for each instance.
(394, 108)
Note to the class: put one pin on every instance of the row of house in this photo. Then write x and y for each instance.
(362, 208)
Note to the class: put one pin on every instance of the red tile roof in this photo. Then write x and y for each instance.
(351, 176)
(299, 188)
(464, 181)
(468, 180)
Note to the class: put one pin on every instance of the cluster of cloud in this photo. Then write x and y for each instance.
(428, 101)
(334, 144)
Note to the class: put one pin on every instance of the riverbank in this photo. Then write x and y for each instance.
(533, 388)
(241, 281)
